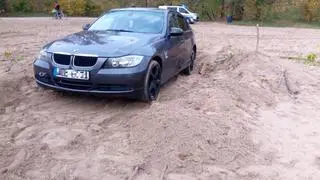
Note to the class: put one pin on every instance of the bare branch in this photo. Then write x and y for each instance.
(163, 172)
(258, 39)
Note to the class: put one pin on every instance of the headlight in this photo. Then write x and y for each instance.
(125, 61)
(44, 55)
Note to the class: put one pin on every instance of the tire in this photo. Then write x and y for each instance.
(188, 70)
(152, 82)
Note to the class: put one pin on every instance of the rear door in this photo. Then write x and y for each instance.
(186, 47)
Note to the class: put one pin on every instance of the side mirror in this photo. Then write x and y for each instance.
(176, 31)
(85, 27)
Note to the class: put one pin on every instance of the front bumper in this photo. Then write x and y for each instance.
(117, 81)
(196, 18)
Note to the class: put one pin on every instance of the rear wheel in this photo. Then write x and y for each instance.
(188, 70)
(152, 82)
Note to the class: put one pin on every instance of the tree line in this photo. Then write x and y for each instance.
(261, 10)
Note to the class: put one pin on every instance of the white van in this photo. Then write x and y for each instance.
(192, 17)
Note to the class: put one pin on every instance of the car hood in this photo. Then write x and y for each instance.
(195, 15)
(191, 15)
(102, 43)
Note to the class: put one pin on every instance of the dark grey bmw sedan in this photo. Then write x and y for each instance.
(130, 52)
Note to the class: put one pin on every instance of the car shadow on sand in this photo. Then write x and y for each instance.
(117, 101)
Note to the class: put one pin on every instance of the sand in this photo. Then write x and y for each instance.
(241, 118)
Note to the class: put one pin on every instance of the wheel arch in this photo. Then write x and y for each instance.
(158, 59)
(194, 48)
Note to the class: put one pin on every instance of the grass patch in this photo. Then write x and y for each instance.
(279, 23)
(310, 59)
(23, 14)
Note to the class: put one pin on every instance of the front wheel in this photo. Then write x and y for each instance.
(152, 82)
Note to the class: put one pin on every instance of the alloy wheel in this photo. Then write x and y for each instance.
(154, 82)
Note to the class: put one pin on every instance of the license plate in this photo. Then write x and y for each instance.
(71, 74)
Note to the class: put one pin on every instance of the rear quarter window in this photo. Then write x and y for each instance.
(173, 20)
(182, 23)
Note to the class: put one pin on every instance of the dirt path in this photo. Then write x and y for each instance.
(235, 121)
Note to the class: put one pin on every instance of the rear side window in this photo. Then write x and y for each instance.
(188, 26)
(182, 23)
(172, 8)
(183, 10)
(173, 22)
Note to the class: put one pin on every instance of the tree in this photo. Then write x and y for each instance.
(21, 6)
(4, 5)
(73, 7)
(256, 9)
(91, 8)
(311, 10)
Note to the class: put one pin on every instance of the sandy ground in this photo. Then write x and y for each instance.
(237, 120)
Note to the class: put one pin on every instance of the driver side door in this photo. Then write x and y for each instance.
(173, 48)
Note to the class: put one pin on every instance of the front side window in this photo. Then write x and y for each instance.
(182, 23)
(130, 21)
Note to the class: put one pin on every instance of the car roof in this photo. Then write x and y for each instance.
(139, 9)
(143, 9)
(171, 6)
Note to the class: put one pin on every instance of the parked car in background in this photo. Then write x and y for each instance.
(189, 20)
(129, 52)
(190, 16)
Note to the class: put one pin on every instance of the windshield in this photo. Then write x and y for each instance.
(187, 9)
(130, 21)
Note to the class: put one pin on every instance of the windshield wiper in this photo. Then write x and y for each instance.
(119, 30)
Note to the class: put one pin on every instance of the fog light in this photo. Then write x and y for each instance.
(42, 74)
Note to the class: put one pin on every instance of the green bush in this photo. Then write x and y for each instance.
(291, 14)
(2, 5)
(209, 10)
(21, 6)
(92, 9)
(251, 10)
(312, 57)
(73, 7)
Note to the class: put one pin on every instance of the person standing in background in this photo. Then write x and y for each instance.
(57, 10)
